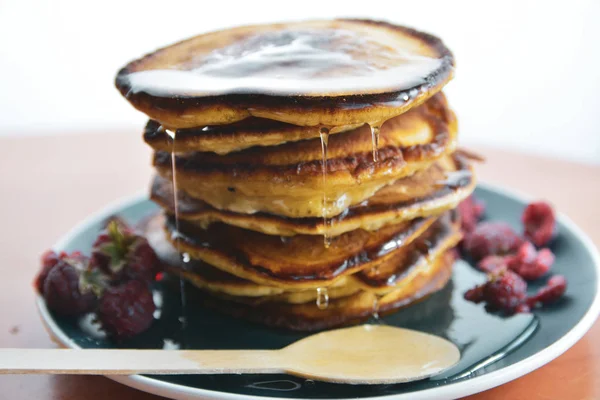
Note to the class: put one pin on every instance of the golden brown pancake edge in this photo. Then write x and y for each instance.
(189, 111)
(366, 215)
(348, 310)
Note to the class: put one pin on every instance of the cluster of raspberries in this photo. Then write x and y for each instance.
(511, 259)
(114, 282)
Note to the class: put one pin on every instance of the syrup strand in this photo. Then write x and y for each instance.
(322, 298)
(185, 257)
(376, 309)
(375, 128)
(324, 134)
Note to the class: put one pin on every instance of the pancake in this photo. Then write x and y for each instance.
(214, 280)
(287, 180)
(406, 262)
(302, 262)
(292, 263)
(224, 139)
(351, 309)
(332, 73)
(429, 192)
(406, 259)
(411, 260)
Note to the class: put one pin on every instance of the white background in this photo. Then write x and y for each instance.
(528, 73)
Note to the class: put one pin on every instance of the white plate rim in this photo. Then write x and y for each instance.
(449, 391)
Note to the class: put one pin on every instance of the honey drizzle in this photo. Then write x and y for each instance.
(375, 129)
(324, 134)
(375, 313)
(185, 257)
(322, 298)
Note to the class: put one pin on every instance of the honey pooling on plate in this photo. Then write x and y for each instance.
(313, 161)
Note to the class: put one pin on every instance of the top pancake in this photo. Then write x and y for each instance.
(336, 72)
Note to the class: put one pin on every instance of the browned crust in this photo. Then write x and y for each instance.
(250, 255)
(383, 278)
(390, 158)
(248, 163)
(341, 312)
(302, 264)
(241, 135)
(436, 240)
(193, 209)
(327, 105)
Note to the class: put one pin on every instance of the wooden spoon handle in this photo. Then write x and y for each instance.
(127, 362)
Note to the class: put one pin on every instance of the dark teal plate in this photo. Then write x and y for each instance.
(494, 349)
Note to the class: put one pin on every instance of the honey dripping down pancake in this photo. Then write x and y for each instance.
(396, 262)
(351, 309)
(267, 137)
(428, 192)
(420, 267)
(288, 179)
(295, 262)
(241, 135)
(298, 262)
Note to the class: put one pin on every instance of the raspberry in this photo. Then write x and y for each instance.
(539, 223)
(554, 289)
(62, 290)
(126, 310)
(470, 210)
(491, 238)
(108, 255)
(504, 291)
(476, 295)
(529, 263)
(492, 264)
(142, 262)
(123, 255)
(49, 259)
(526, 253)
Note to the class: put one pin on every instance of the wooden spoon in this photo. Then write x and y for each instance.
(367, 354)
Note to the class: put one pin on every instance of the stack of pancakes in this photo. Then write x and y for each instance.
(307, 171)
